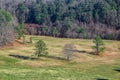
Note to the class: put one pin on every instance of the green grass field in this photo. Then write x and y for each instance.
(17, 62)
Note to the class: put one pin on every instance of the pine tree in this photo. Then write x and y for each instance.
(21, 31)
(54, 31)
(99, 45)
(40, 49)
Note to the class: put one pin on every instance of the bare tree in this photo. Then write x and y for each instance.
(6, 28)
(68, 51)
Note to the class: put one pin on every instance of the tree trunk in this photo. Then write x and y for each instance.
(97, 52)
(68, 58)
(54, 35)
(24, 40)
(31, 40)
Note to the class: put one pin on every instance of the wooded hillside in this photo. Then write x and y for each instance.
(68, 18)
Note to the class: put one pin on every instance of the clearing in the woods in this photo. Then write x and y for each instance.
(19, 63)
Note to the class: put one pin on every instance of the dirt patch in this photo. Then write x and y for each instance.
(14, 44)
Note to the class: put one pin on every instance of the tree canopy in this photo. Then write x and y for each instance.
(96, 17)
(5, 17)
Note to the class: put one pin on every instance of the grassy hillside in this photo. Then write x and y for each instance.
(18, 63)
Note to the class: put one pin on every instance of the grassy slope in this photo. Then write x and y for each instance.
(82, 67)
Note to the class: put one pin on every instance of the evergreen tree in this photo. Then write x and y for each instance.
(54, 31)
(21, 31)
(99, 45)
(21, 12)
(40, 49)
(40, 12)
(80, 31)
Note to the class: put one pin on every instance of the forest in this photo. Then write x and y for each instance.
(61, 18)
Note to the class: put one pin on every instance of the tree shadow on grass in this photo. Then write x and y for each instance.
(29, 58)
(79, 51)
(22, 57)
(118, 70)
(101, 79)
(84, 52)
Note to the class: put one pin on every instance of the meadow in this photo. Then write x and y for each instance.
(19, 63)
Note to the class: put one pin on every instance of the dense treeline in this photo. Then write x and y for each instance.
(69, 18)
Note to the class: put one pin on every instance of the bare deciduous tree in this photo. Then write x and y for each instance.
(6, 28)
(68, 51)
